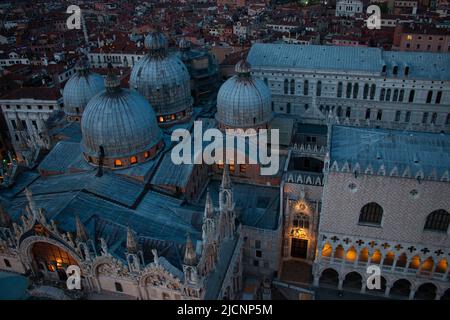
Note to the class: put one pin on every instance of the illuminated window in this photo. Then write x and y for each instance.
(118, 163)
(409, 37)
(301, 221)
(232, 167)
(146, 154)
(371, 213)
(220, 165)
(133, 160)
(161, 119)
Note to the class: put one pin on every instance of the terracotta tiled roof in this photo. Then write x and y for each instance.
(41, 93)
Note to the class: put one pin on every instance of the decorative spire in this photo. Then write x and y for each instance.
(132, 245)
(82, 66)
(31, 203)
(190, 257)
(82, 234)
(226, 181)
(209, 206)
(112, 82)
(5, 219)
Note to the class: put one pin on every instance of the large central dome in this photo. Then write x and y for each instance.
(119, 126)
(79, 89)
(244, 101)
(163, 80)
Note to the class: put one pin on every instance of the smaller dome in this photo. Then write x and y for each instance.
(156, 42)
(80, 88)
(244, 101)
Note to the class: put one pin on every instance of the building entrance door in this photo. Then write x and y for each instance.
(299, 248)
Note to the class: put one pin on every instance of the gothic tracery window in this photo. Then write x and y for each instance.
(301, 220)
(371, 213)
(438, 220)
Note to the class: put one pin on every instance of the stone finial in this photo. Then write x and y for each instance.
(226, 181)
(132, 245)
(190, 257)
(82, 234)
(209, 206)
(31, 202)
(5, 219)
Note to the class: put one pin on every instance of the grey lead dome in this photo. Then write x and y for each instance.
(80, 88)
(161, 78)
(244, 101)
(119, 120)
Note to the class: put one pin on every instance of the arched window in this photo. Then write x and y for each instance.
(292, 86)
(133, 160)
(366, 91)
(319, 89)
(371, 213)
(118, 286)
(388, 95)
(118, 163)
(305, 87)
(373, 88)
(285, 86)
(349, 90)
(355, 91)
(301, 220)
(339, 90)
(411, 96)
(382, 93)
(146, 154)
(406, 71)
(401, 96)
(438, 220)
(395, 96)
(395, 70)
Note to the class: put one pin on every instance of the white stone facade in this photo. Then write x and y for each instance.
(348, 8)
(359, 99)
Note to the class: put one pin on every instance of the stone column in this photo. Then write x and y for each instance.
(411, 294)
(316, 280)
(387, 291)
(341, 282)
(363, 286)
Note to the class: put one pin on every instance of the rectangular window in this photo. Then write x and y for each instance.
(348, 112)
(379, 114)
(408, 116)
(429, 96)
(425, 117)
(14, 124)
(397, 116)
(368, 114)
(258, 244)
(258, 253)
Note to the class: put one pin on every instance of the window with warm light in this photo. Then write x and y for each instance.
(133, 160)
(409, 37)
(161, 119)
(118, 163)
(146, 154)
(242, 168)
